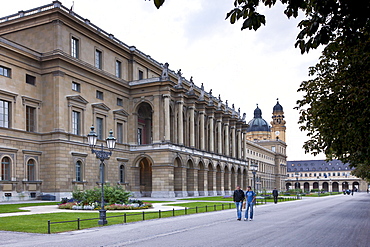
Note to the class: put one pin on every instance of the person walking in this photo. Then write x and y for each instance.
(275, 194)
(250, 199)
(238, 198)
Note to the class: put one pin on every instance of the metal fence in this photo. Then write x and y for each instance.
(159, 215)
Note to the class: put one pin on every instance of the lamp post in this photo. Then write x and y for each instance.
(330, 188)
(102, 155)
(296, 184)
(254, 168)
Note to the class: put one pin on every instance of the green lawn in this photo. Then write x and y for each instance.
(13, 208)
(209, 198)
(38, 223)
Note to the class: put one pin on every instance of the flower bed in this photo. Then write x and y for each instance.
(96, 206)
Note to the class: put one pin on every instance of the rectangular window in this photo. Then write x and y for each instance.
(78, 171)
(118, 69)
(30, 119)
(4, 71)
(75, 47)
(76, 86)
(141, 74)
(99, 127)
(99, 94)
(119, 132)
(98, 59)
(4, 114)
(76, 122)
(119, 102)
(30, 79)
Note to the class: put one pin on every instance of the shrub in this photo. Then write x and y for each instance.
(112, 195)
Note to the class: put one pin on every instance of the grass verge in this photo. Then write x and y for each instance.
(38, 223)
(14, 208)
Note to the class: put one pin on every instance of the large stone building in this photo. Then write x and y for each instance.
(60, 74)
(330, 176)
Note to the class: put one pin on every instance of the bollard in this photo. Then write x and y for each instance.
(78, 223)
(48, 226)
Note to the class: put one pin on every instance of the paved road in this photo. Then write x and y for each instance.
(325, 221)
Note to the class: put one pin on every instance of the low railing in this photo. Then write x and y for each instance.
(126, 216)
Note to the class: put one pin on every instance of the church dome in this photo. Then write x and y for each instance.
(258, 123)
(277, 107)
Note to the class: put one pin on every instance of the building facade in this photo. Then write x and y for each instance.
(329, 176)
(61, 74)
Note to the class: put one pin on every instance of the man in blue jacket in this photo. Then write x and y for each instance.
(238, 198)
(250, 199)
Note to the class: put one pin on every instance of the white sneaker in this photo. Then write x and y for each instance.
(250, 219)
(245, 219)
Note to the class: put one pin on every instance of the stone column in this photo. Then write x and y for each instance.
(227, 140)
(167, 126)
(201, 130)
(211, 133)
(180, 123)
(233, 151)
(244, 140)
(219, 124)
(239, 144)
(192, 125)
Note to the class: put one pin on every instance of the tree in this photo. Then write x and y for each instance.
(335, 109)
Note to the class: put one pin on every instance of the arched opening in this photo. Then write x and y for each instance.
(227, 181)
(178, 177)
(31, 170)
(288, 186)
(335, 187)
(315, 185)
(201, 173)
(145, 177)
(6, 170)
(218, 180)
(144, 124)
(355, 186)
(306, 187)
(210, 180)
(325, 186)
(190, 183)
(233, 178)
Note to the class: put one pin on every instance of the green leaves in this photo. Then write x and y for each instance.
(158, 3)
(335, 110)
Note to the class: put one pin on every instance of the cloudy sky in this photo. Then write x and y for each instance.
(244, 67)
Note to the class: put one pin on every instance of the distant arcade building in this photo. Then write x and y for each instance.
(331, 176)
(60, 74)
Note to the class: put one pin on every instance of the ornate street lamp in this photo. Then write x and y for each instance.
(254, 168)
(296, 185)
(102, 155)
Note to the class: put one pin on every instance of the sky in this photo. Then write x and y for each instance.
(245, 67)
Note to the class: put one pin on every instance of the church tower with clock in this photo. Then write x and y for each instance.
(278, 123)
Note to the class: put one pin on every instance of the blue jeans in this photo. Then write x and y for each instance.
(238, 206)
(249, 205)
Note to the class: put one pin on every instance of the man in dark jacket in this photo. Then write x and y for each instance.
(275, 193)
(238, 198)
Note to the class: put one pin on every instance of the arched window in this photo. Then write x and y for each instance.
(31, 170)
(121, 173)
(5, 169)
(79, 171)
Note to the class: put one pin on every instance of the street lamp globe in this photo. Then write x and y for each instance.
(92, 137)
(111, 141)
